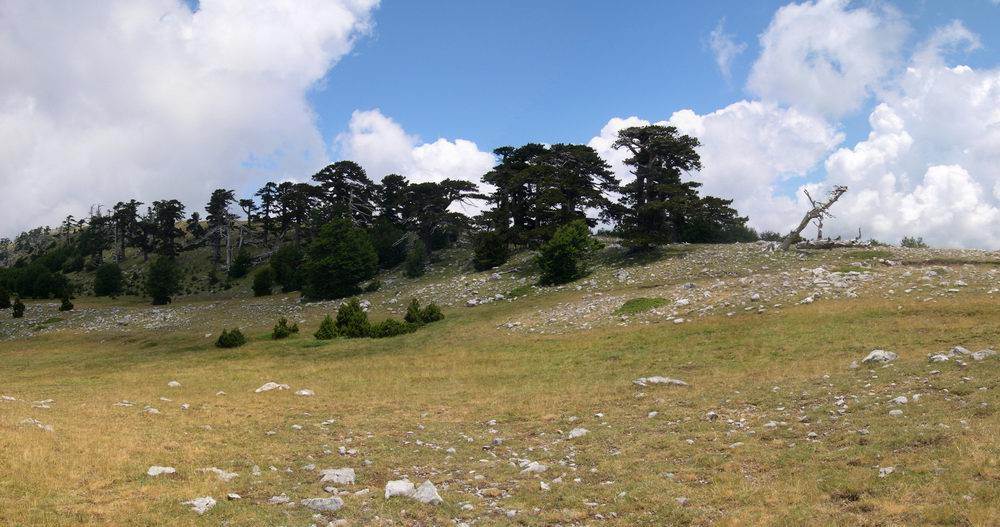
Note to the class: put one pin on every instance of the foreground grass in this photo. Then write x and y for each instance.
(401, 402)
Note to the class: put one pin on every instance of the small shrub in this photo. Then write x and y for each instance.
(231, 339)
(391, 327)
(352, 321)
(108, 280)
(66, 304)
(414, 315)
(416, 260)
(431, 313)
(564, 258)
(373, 286)
(326, 330)
(490, 251)
(163, 280)
(283, 330)
(4, 298)
(913, 243)
(18, 308)
(263, 282)
(213, 278)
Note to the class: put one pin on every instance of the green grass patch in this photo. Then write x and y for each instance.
(639, 305)
(518, 291)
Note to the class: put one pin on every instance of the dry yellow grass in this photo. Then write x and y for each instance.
(441, 386)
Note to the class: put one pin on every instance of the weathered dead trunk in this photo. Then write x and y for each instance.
(819, 211)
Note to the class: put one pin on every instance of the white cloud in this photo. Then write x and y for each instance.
(725, 49)
(747, 149)
(117, 99)
(382, 147)
(931, 165)
(822, 56)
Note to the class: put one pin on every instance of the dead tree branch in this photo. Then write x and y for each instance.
(819, 211)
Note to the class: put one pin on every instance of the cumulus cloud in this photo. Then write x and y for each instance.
(725, 49)
(116, 99)
(382, 147)
(931, 164)
(825, 57)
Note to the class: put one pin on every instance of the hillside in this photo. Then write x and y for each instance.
(526, 405)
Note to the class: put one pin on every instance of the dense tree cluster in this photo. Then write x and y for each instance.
(328, 236)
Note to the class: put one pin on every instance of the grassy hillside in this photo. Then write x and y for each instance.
(775, 427)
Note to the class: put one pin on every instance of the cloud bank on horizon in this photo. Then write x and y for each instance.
(159, 97)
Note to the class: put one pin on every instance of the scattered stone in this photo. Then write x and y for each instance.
(427, 493)
(35, 422)
(221, 474)
(578, 432)
(682, 501)
(268, 386)
(534, 468)
(201, 505)
(339, 476)
(885, 471)
(940, 357)
(305, 393)
(174, 384)
(323, 504)
(896, 413)
(901, 400)
(983, 354)
(711, 415)
(399, 487)
(645, 381)
(160, 471)
(879, 356)
(279, 500)
(232, 496)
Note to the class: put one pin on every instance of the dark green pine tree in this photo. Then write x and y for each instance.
(338, 261)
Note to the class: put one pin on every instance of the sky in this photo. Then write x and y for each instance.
(108, 100)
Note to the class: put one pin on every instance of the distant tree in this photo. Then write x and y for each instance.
(268, 195)
(391, 196)
(263, 282)
(108, 280)
(427, 209)
(338, 261)
(219, 218)
(416, 259)
(162, 280)
(249, 208)
(347, 189)
(166, 215)
(490, 251)
(296, 201)
(657, 203)
(287, 265)
(125, 216)
(194, 226)
(564, 258)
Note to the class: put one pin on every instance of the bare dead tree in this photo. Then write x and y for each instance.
(819, 211)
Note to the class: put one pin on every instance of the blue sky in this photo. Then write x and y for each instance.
(555, 71)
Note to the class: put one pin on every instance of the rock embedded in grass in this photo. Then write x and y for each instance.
(268, 386)
(427, 493)
(305, 393)
(340, 476)
(221, 474)
(578, 432)
(879, 357)
(658, 379)
(399, 487)
(983, 354)
(173, 384)
(201, 505)
(155, 471)
(323, 504)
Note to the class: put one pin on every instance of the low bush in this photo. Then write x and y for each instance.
(18, 307)
(431, 313)
(391, 327)
(283, 330)
(326, 330)
(373, 286)
(414, 315)
(66, 304)
(231, 339)
(352, 321)
(490, 251)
